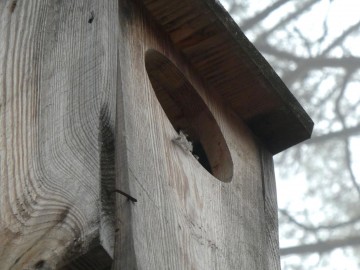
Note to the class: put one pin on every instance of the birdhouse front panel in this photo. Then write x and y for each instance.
(194, 167)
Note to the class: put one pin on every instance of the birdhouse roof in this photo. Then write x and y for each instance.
(216, 47)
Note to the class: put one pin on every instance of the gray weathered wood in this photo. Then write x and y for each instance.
(271, 234)
(57, 116)
(184, 217)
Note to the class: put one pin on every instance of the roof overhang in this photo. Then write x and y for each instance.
(216, 47)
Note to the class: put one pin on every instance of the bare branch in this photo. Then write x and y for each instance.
(341, 38)
(321, 247)
(306, 43)
(341, 134)
(260, 39)
(304, 66)
(342, 120)
(348, 166)
(262, 15)
(320, 227)
(350, 62)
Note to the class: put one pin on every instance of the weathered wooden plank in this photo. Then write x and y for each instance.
(57, 115)
(271, 233)
(124, 252)
(184, 217)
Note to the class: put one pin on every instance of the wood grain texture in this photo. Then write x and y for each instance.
(184, 218)
(271, 233)
(57, 115)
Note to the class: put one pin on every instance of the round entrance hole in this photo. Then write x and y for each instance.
(189, 114)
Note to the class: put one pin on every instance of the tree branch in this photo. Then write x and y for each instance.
(350, 62)
(348, 165)
(291, 76)
(285, 21)
(341, 38)
(341, 134)
(262, 15)
(321, 247)
(321, 227)
(341, 117)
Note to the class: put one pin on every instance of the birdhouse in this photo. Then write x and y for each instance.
(139, 135)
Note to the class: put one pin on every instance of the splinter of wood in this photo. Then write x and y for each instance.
(130, 198)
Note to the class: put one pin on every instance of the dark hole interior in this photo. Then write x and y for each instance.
(200, 154)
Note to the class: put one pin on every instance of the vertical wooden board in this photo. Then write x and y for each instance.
(184, 218)
(57, 114)
(271, 234)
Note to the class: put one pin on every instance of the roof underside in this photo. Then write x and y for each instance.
(216, 47)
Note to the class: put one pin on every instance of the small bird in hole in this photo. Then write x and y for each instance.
(182, 141)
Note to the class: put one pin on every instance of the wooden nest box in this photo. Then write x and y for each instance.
(138, 135)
